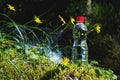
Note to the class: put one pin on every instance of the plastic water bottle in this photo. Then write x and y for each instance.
(80, 49)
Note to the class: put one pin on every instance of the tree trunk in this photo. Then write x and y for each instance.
(89, 7)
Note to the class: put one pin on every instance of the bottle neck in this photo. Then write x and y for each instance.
(79, 22)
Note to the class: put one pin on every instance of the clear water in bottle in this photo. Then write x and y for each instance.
(80, 49)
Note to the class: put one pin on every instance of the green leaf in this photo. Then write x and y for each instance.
(98, 71)
(94, 63)
(114, 76)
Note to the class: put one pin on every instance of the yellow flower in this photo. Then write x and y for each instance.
(37, 20)
(64, 61)
(98, 28)
(72, 20)
(11, 7)
(62, 20)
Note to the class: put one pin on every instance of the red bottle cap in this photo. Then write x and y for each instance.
(80, 19)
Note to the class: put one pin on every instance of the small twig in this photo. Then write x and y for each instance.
(14, 65)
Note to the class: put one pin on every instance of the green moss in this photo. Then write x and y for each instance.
(15, 65)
